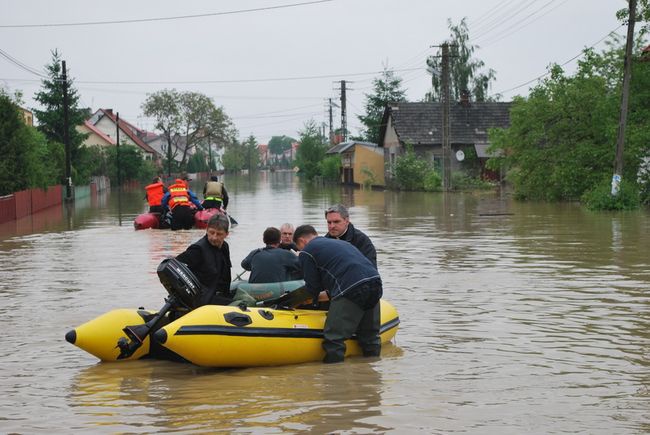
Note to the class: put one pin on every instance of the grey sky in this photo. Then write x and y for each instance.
(339, 40)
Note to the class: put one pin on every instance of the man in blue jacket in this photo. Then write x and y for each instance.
(354, 288)
(271, 263)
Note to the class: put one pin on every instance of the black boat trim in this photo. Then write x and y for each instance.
(264, 332)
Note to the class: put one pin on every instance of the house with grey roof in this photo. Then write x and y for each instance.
(420, 125)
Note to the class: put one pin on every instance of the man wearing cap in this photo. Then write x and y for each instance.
(340, 227)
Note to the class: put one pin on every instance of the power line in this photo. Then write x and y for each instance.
(570, 60)
(22, 65)
(502, 19)
(179, 17)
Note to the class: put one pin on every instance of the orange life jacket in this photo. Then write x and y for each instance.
(178, 195)
(155, 193)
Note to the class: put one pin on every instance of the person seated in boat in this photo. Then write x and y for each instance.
(182, 203)
(340, 227)
(354, 287)
(286, 237)
(209, 259)
(154, 193)
(215, 194)
(271, 263)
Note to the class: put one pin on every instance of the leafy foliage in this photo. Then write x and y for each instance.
(192, 116)
(561, 141)
(410, 170)
(386, 89)
(600, 197)
(330, 168)
(251, 154)
(279, 144)
(464, 71)
(28, 160)
(311, 151)
(233, 158)
(50, 119)
(132, 164)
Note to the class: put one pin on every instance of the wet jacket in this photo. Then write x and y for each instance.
(215, 191)
(360, 240)
(335, 266)
(271, 265)
(211, 265)
(155, 193)
(179, 194)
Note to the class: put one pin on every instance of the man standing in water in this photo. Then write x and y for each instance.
(340, 227)
(353, 285)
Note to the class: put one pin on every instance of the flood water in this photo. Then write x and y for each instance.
(515, 318)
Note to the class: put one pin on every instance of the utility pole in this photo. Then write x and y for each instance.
(627, 75)
(117, 141)
(331, 126)
(446, 148)
(66, 134)
(344, 122)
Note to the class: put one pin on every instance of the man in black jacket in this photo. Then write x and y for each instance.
(354, 288)
(209, 259)
(339, 227)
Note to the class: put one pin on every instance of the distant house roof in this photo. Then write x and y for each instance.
(127, 128)
(421, 123)
(99, 133)
(343, 146)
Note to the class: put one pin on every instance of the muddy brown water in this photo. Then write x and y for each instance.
(515, 318)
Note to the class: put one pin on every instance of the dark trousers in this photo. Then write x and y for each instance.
(344, 319)
(211, 203)
(182, 218)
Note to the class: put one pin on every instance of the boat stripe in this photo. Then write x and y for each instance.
(264, 332)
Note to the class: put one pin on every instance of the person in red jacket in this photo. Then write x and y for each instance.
(154, 193)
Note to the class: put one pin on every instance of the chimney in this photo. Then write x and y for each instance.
(464, 98)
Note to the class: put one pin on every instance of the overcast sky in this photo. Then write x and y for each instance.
(274, 68)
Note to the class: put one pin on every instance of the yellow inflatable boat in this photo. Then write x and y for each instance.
(216, 335)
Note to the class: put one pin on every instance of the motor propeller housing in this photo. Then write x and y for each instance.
(180, 283)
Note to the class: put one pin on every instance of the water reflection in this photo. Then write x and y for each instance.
(304, 398)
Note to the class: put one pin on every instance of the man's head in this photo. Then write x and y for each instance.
(271, 236)
(286, 233)
(338, 219)
(217, 230)
(214, 178)
(303, 235)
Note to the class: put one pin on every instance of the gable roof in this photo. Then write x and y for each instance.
(343, 146)
(421, 123)
(99, 133)
(127, 128)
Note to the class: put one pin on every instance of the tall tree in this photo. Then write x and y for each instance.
(191, 116)
(311, 150)
(464, 70)
(252, 155)
(386, 89)
(279, 144)
(50, 118)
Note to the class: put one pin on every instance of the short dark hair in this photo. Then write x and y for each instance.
(302, 231)
(338, 208)
(214, 178)
(220, 222)
(271, 236)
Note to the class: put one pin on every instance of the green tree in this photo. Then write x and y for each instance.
(410, 171)
(386, 89)
(233, 158)
(311, 151)
(252, 155)
(50, 119)
(561, 140)
(464, 70)
(279, 144)
(191, 116)
(28, 160)
(132, 164)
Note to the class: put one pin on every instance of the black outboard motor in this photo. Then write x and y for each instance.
(185, 292)
(181, 284)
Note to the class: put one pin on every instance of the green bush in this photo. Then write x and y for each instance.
(432, 181)
(410, 171)
(600, 197)
(330, 168)
(463, 181)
